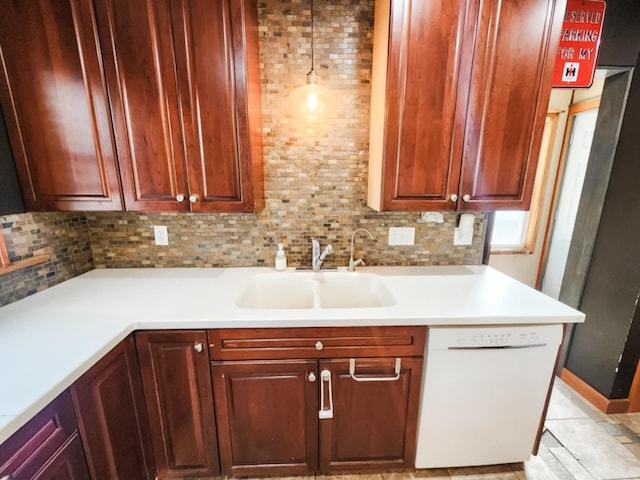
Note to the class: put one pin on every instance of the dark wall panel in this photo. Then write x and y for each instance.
(10, 194)
(620, 42)
(613, 279)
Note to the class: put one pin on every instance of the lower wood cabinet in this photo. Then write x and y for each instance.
(267, 416)
(309, 413)
(375, 417)
(46, 448)
(68, 463)
(112, 417)
(177, 387)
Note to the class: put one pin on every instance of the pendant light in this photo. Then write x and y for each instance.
(310, 102)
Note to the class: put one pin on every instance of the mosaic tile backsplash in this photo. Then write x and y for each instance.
(62, 236)
(315, 178)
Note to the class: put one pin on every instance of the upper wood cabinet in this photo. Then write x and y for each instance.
(459, 95)
(55, 104)
(185, 88)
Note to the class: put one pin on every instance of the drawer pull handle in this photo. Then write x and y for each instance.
(324, 412)
(319, 345)
(352, 372)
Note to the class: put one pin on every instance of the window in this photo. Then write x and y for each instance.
(516, 231)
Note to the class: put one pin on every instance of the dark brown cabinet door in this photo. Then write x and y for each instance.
(427, 72)
(138, 54)
(68, 463)
(219, 84)
(55, 104)
(267, 414)
(374, 421)
(112, 417)
(510, 87)
(184, 79)
(178, 394)
(41, 447)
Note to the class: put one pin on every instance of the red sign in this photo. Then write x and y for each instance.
(579, 43)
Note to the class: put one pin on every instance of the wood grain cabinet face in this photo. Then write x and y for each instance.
(46, 448)
(113, 420)
(179, 399)
(374, 422)
(267, 406)
(184, 81)
(55, 104)
(459, 95)
(266, 415)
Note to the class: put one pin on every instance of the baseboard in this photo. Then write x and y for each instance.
(594, 397)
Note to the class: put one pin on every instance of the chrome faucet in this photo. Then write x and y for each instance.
(317, 258)
(353, 263)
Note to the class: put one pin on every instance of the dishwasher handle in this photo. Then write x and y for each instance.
(396, 376)
(498, 347)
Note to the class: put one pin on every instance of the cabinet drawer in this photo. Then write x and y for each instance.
(321, 342)
(27, 450)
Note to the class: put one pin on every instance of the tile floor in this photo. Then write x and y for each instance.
(579, 443)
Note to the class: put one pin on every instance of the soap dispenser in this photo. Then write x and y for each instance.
(281, 258)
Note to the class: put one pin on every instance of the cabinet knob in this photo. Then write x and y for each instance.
(193, 198)
(180, 197)
(454, 198)
(198, 347)
(319, 345)
(466, 198)
(311, 377)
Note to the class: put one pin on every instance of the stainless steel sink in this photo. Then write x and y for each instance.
(309, 290)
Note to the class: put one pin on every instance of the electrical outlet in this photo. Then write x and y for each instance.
(161, 234)
(402, 235)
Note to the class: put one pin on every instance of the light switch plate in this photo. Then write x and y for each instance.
(402, 236)
(161, 234)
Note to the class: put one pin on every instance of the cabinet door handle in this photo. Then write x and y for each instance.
(454, 197)
(311, 377)
(352, 372)
(466, 198)
(179, 198)
(198, 347)
(325, 376)
(193, 198)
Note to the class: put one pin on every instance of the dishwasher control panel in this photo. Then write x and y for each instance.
(495, 337)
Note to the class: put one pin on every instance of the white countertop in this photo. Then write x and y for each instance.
(51, 338)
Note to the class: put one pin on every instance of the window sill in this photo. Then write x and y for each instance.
(25, 263)
(514, 251)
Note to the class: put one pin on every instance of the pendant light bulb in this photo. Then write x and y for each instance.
(312, 95)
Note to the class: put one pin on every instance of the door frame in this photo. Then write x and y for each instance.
(559, 175)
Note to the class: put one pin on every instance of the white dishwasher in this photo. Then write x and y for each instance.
(484, 390)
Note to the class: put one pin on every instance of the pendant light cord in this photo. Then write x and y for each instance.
(312, 36)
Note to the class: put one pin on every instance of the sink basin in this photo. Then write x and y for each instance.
(308, 290)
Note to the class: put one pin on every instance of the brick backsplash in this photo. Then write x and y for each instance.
(62, 236)
(315, 179)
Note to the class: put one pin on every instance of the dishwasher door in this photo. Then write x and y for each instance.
(484, 391)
